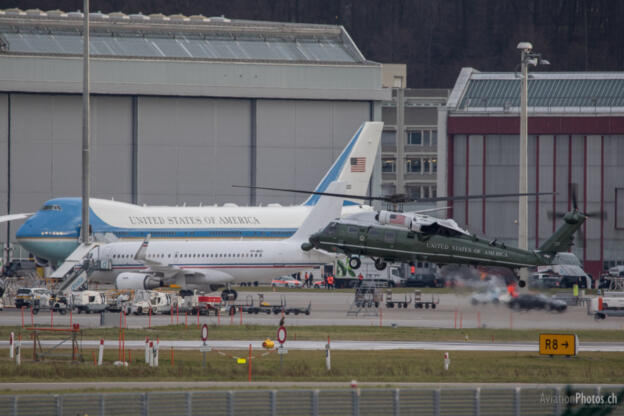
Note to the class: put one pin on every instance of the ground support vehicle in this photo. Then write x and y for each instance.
(150, 301)
(56, 304)
(266, 307)
(419, 303)
(299, 310)
(391, 301)
(203, 304)
(88, 301)
(529, 301)
(30, 296)
(609, 304)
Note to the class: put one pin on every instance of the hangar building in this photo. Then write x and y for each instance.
(576, 135)
(182, 108)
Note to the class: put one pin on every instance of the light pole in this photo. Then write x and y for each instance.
(527, 57)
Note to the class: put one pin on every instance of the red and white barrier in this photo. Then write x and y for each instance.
(11, 346)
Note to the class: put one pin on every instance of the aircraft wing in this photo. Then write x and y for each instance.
(175, 274)
(13, 217)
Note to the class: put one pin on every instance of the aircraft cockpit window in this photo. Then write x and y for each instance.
(51, 208)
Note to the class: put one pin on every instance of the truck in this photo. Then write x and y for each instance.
(88, 301)
(150, 300)
(346, 277)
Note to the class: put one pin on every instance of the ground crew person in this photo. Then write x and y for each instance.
(361, 279)
(306, 281)
(330, 282)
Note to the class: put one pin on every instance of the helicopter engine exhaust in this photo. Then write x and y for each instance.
(394, 218)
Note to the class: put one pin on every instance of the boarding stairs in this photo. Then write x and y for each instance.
(75, 269)
(367, 299)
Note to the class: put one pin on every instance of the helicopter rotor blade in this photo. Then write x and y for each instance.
(397, 198)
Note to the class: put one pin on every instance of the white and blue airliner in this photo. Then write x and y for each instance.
(52, 233)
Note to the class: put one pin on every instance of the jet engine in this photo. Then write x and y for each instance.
(134, 281)
(41, 262)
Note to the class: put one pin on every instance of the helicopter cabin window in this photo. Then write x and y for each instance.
(411, 234)
(374, 233)
(389, 236)
(352, 230)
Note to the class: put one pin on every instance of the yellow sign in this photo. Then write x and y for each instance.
(241, 361)
(558, 344)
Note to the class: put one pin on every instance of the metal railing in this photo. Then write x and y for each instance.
(407, 401)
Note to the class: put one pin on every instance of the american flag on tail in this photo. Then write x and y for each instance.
(358, 164)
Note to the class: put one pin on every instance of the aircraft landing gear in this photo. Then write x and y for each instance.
(229, 294)
(355, 263)
(380, 264)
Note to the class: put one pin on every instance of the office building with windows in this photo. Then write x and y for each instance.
(410, 136)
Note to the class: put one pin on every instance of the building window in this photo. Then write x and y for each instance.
(388, 165)
(434, 165)
(413, 165)
(425, 137)
(388, 138)
(426, 165)
(414, 138)
(413, 192)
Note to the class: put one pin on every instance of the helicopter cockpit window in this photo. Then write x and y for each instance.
(389, 236)
(331, 228)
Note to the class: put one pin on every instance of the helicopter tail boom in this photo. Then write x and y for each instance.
(563, 238)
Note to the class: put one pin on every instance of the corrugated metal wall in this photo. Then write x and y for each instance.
(188, 150)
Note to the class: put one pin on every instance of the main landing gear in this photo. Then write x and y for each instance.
(229, 294)
(355, 263)
(380, 264)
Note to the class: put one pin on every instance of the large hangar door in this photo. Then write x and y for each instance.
(111, 148)
(297, 142)
(4, 165)
(192, 150)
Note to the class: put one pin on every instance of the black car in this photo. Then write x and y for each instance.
(528, 301)
(423, 280)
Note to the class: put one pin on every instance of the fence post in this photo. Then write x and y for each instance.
(189, 403)
(315, 402)
(397, 402)
(273, 403)
(355, 401)
(477, 401)
(436, 402)
(15, 413)
(102, 405)
(517, 401)
(230, 403)
(144, 404)
(59, 405)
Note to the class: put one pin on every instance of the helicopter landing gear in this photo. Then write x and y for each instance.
(380, 264)
(229, 294)
(355, 263)
(521, 283)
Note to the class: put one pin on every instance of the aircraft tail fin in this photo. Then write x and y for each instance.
(354, 165)
(563, 238)
(326, 209)
(141, 252)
